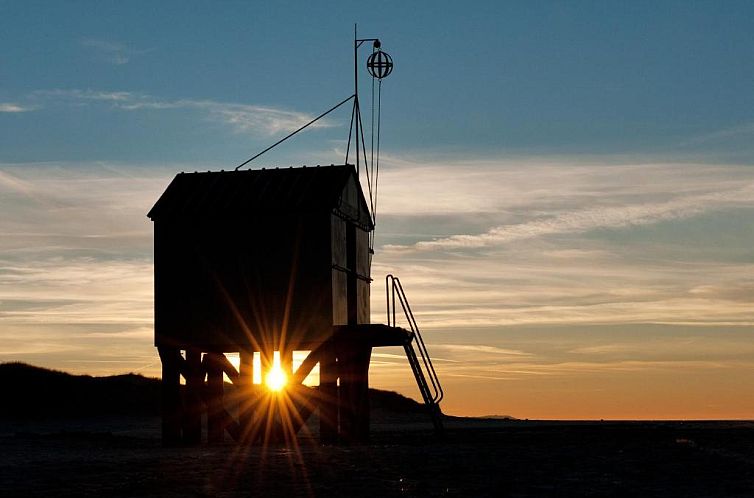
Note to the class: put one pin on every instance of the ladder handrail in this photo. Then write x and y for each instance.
(438, 394)
(393, 288)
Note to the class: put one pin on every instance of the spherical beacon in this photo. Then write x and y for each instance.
(380, 64)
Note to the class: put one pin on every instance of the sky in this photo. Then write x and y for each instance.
(566, 188)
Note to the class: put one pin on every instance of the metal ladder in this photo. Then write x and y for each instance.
(431, 392)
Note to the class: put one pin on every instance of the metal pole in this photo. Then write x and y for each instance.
(356, 93)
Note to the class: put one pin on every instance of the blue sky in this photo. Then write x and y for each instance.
(568, 187)
(490, 77)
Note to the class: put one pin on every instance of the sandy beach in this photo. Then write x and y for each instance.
(123, 457)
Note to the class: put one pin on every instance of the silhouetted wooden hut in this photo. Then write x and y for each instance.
(260, 256)
(262, 261)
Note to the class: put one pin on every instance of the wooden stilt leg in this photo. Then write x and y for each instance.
(171, 396)
(361, 395)
(214, 399)
(353, 366)
(267, 410)
(192, 420)
(246, 376)
(346, 372)
(286, 409)
(328, 394)
(266, 358)
(286, 362)
(303, 400)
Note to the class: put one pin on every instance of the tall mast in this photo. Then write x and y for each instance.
(356, 93)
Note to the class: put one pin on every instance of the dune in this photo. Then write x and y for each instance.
(36, 392)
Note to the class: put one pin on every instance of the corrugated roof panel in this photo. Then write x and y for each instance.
(253, 191)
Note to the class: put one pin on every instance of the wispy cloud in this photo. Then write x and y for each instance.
(568, 243)
(742, 130)
(542, 185)
(76, 271)
(478, 349)
(593, 367)
(11, 107)
(584, 220)
(242, 118)
(76, 263)
(402, 357)
(111, 51)
(669, 348)
(531, 200)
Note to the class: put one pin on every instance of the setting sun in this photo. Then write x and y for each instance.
(276, 379)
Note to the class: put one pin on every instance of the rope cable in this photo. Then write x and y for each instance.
(372, 189)
(298, 130)
(350, 131)
(366, 169)
(371, 128)
(369, 181)
(361, 132)
(377, 170)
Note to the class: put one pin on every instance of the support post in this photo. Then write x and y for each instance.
(266, 356)
(328, 393)
(353, 363)
(360, 394)
(192, 419)
(215, 429)
(171, 396)
(246, 386)
(286, 362)
(267, 412)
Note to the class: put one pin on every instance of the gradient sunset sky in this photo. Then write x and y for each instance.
(566, 192)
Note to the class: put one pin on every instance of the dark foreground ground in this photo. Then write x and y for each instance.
(123, 457)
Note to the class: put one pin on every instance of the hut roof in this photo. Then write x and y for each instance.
(263, 191)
